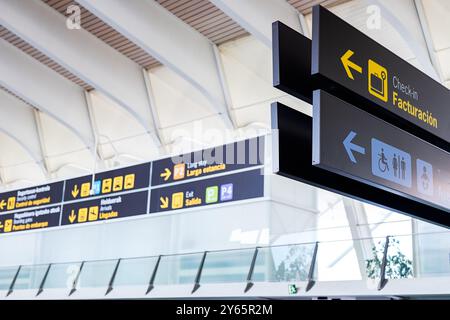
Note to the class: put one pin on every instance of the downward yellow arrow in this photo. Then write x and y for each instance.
(2, 204)
(164, 202)
(166, 174)
(72, 217)
(349, 64)
(75, 191)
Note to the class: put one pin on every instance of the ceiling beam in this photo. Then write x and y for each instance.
(169, 40)
(257, 16)
(45, 89)
(419, 6)
(20, 126)
(420, 51)
(83, 54)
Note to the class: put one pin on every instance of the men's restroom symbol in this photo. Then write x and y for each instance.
(399, 166)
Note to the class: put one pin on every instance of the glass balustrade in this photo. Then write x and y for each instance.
(6, 277)
(399, 257)
(178, 269)
(30, 277)
(62, 275)
(96, 274)
(135, 271)
(227, 266)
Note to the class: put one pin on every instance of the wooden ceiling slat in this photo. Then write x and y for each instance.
(62, 5)
(112, 38)
(305, 6)
(193, 9)
(91, 22)
(198, 15)
(189, 7)
(224, 31)
(177, 4)
(106, 33)
(216, 22)
(206, 18)
(201, 15)
(227, 37)
(209, 15)
(39, 56)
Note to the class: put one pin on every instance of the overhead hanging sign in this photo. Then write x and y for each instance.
(349, 63)
(222, 189)
(30, 219)
(42, 195)
(213, 176)
(108, 182)
(105, 208)
(353, 143)
(293, 148)
(220, 159)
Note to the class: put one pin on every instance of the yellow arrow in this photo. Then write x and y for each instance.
(72, 217)
(164, 202)
(166, 174)
(349, 64)
(1, 225)
(2, 204)
(75, 191)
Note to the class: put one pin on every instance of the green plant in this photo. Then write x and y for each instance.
(398, 266)
(295, 266)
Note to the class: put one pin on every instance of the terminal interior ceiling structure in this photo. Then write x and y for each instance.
(144, 79)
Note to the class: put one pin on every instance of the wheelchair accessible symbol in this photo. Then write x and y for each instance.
(391, 163)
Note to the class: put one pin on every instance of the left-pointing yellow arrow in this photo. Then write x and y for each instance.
(2, 204)
(164, 202)
(345, 59)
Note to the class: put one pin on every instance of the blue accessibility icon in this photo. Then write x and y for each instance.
(391, 163)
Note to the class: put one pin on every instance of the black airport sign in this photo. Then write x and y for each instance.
(31, 197)
(293, 158)
(211, 191)
(105, 208)
(224, 158)
(354, 67)
(108, 182)
(355, 144)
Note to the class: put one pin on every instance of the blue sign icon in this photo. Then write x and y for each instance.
(424, 177)
(226, 192)
(391, 163)
(350, 146)
(97, 187)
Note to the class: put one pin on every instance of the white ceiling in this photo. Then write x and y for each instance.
(418, 31)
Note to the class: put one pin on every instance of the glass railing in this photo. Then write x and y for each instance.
(62, 275)
(343, 260)
(178, 269)
(30, 277)
(227, 266)
(7, 275)
(135, 271)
